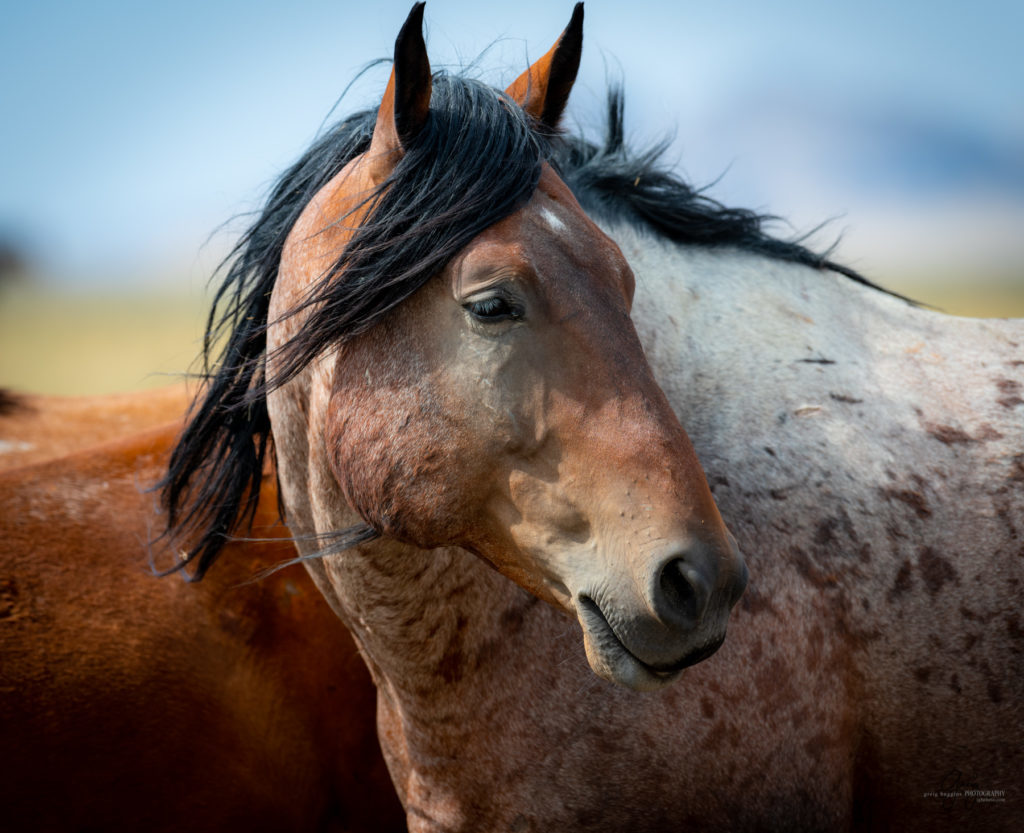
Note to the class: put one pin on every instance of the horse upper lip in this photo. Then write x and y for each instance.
(595, 617)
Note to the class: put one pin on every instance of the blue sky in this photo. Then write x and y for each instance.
(131, 131)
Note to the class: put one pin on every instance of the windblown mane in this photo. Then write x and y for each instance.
(477, 161)
(615, 184)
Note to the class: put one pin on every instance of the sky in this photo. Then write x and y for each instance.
(132, 131)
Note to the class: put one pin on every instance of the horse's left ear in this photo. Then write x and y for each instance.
(543, 90)
(406, 104)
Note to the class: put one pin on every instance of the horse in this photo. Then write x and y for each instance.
(476, 456)
(36, 427)
(129, 703)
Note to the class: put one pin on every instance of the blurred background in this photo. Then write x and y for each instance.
(133, 132)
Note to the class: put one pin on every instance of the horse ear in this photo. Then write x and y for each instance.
(543, 90)
(406, 104)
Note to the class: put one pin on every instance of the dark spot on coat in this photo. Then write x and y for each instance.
(825, 534)
(935, 570)
(8, 598)
(971, 616)
(799, 717)
(954, 684)
(513, 618)
(815, 361)
(1003, 513)
(915, 500)
(856, 638)
(769, 451)
(713, 739)
(753, 601)
(1011, 393)
(1017, 468)
(707, 708)
(816, 746)
(948, 434)
(773, 681)
(842, 397)
(756, 652)
(922, 674)
(451, 667)
(810, 571)
(987, 434)
(519, 824)
(1013, 627)
(995, 693)
(894, 532)
(904, 581)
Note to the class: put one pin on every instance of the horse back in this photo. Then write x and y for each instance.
(35, 427)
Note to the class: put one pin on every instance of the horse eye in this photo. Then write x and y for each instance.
(495, 308)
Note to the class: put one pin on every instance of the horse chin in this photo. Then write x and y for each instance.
(613, 661)
(616, 665)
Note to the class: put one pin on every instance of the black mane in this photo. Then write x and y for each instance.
(477, 161)
(615, 184)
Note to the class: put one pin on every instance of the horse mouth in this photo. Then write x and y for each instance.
(610, 658)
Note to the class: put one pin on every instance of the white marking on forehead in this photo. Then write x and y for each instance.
(552, 219)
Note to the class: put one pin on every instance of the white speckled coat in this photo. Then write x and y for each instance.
(869, 457)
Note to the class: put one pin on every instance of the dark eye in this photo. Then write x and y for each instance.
(495, 308)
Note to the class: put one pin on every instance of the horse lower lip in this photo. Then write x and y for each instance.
(593, 613)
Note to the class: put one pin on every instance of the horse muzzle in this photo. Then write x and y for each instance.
(676, 618)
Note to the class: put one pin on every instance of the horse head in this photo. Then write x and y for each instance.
(457, 332)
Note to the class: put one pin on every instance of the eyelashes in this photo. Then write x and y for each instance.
(493, 309)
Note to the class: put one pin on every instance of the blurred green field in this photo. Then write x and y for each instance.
(76, 343)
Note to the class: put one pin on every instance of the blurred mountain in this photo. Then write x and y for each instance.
(910, 187)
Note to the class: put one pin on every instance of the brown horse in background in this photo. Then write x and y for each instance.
(129, 702)
(36, 427)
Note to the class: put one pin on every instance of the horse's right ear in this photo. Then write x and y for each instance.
(543, 90)
(406, 104)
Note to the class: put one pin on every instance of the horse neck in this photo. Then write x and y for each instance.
(734, 337)
(419, 616)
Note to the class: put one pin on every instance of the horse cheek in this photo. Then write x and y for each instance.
(391, 452)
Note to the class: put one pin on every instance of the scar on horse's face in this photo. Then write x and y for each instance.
(507, 407)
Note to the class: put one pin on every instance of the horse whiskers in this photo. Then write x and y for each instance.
(343, 539)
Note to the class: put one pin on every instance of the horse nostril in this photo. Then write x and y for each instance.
(682, 594)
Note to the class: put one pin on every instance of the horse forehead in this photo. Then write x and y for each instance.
(548, 235)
